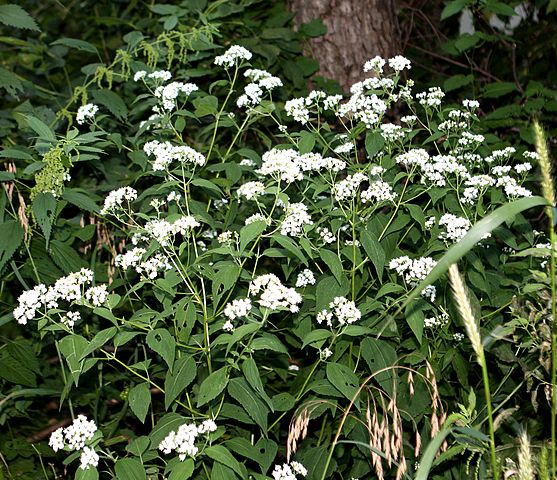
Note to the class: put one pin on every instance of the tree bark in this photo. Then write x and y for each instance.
(357, 30)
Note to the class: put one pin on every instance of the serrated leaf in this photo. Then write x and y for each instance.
(240, 391)
(130, 469)
(10, 81)
(65, 257)
(81, 45)
(333, 262)
(79, 199)
(183, 373)
(222, 455)
(212, 386)
(99, 340)
(72, 348)
(44, 209)
(251, 373)
(374, 250)
(41, 128)
(343, 379)
(182, 470)
(379, 355)
(14, 16)
(139, 398)
(112, 101)
(163, 343)
(11, 236)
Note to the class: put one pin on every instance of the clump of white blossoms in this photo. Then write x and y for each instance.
(169, 93)
(233, 56)
(164, 231)
(75, 436)
(183, 440)
(273, 294)
(251, 190)
(342, 310)
(253, 92)
(88, 458)
(97, 296)
(414, 271)
(289, 471)
(165, 153)
(296, 217)
(68, 288)
(115, 199)
(86, 111)
(305, 278)
(378, 191)
(282, 165)
(346, 189)
(238, 308)
(456, 227)
(438, 321)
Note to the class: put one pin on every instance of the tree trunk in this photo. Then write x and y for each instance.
(357, 30)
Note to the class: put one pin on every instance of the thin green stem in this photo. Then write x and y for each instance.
(487, 392)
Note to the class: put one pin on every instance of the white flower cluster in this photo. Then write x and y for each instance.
(274, 294)
(378, 191)
(86, 111)
(116, 198)
(368, 109)
(326, 235)
(413, 271)
(391, 132)
(233, 56)
(296, 217)
(257, 217)
(500, 155)
(474, 185)
(158, 75)
(437, 321)
(305, 278)
(251, 190)
(183, 440)
(163, 231)
(261, 80)
(376, 64)
(511, 187)
(68, 288)
(75, 437)
(399, 63)
(169, 93)
(289, 471)
(346, 189)
(343, 310)
(165, 153)
(237, 308)
(456, 227)
(431, 98)
(97, 296)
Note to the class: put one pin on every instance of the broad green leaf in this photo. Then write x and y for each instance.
(80, 45)
(14, 16)
(168, 423)
(415, 318)
(316, 336)
(65, 257)
(306, 142)
(240, 391)
(44, 209)
(99, 340)
(380, 355)
(87, 474)
(130, 469)
(374, 251)
(163, 343)
(289, 245)
(344, 380)
(14, 371)
(11, 236)
(10, 81)
(314, 28)
(139, 446)
(41, 128)
(222, 455)
(454, 7)
(212, 386)
(498, 89)
(251, 373)
(182, 470)
(268, 341)
(457, 81)
(22, 351)
(250, 232)
(205, 105)
(79, 199)
(113, 102)
(374, 143)
(183, 373)
(72, 348)
(139, 398)
(327, 289)
(334, 263)
(222, 472)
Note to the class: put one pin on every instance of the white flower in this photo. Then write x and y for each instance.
(325, 353)
(378, 191)
(97, 295)
(431, 98)
(344, 148)
(289, 472)
(228, 326)
(412, 270)
(70, 318)
(281, 165)
(151, 267)
(523, 167)
(163, 75)
(165, 153)
(207, 426)
(343, 310)
(182, 441)
(131, 258)
(237, 308)
(251, 190)
(139, 75)
(456, 227)
(391, 132)
(298, 110)
(79, 432)
(399, 63)
(296, 217)
(169, 93)
(470, 104)
(273, 294)
(305, 278)
(116, 198)
(56, 441)
(251, 97)
(298, 468)
(163, 231)
(345, 189)
(376, 64)
(86, 111)
(88, 458)
(233, 56)
(326, 235)
(257, 217)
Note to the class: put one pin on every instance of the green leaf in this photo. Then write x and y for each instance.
(205, 105)
(130, 469)
(10, 81)
(87, 474)
(182, 470)
(500, 8)
(314, 28)
(139, 398)
(343, 379)
(168, 423)
(112, 102)
(65, 257)
(268, 341)
(489, 223)
(457, 81)
(183, 373)
(498, 89)
(334, 263)
(250, 232)
(454, 7)
(14, 371)
(99, 340)
(415, 318)
(222, 472)
(72, 348)
(289, 245)
(41, 128)
(306, 142)
(80, 45)
(379, 355)
(240, 391)
(11, 236)
(466, 41)
(222, 455)
(24, 354)
(212, 386)
(374, 250)
(163, 343)
(79, 199)
(374, 143)
(44, 209)
(15, 16)
(315, 336)
(251, 373)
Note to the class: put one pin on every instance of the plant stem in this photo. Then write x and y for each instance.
(487, 392)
